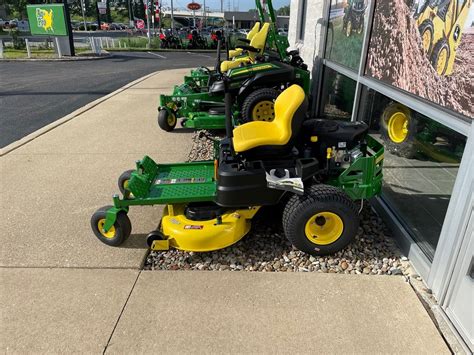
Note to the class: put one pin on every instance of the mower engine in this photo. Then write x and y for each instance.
(336, 144)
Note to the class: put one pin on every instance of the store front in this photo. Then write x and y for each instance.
(408, 72)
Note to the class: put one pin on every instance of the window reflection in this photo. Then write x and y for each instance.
(337, 96)
(421, 163)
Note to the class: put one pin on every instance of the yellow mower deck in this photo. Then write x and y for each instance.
(201, 236)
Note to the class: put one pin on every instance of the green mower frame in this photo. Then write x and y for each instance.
(319, 172)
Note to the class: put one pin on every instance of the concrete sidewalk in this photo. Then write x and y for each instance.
(63, 291)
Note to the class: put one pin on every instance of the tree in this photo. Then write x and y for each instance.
(283, 11)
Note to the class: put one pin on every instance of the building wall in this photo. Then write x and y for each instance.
(310, 45)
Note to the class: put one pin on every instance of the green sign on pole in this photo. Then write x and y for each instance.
(47, 19)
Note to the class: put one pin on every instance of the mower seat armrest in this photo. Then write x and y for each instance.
(248, 48)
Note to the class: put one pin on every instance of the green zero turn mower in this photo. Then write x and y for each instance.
(318, 167)
(256, 80)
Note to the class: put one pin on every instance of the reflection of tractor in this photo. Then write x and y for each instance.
(406, 133)
(353, 20)
(441, 23)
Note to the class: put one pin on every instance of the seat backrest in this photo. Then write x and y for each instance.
(278, 135)
(259, 40)
(290, 110)
(253, 31)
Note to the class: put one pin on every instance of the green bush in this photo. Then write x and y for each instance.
(18, 42)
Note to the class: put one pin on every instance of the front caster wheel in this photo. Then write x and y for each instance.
(322, 221)
(123, 181)
(166, 120)
(155, 235)
(183, 122)
(117, 234)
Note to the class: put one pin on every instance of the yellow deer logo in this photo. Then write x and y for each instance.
(45, 19)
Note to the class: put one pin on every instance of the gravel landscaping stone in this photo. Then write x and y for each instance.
(266, 249)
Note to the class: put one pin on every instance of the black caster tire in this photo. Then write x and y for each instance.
(260, 105)
(399, 137)
(119, 232)
(183, 122)
(152, 236)
(166, 121)
(322, 221)
(123, 181)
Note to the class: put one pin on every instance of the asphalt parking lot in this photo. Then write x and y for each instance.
(34, 94)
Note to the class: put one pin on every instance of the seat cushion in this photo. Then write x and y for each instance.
(280, 130)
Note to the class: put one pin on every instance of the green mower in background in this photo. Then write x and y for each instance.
(316, 168)
(256, 80)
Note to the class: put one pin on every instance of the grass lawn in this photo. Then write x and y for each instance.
(344, 50)
(10, 53)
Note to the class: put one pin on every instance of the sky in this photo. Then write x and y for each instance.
(243, 5)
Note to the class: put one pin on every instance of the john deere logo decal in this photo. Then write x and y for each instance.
(44, 19)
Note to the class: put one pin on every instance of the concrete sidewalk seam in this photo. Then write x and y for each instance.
(77, 267)
(32, 136)
(121, 312)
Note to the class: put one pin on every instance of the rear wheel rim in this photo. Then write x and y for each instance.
(398, 127)
(110, 234)
(171, 120)
(324, 228)
(264, 111)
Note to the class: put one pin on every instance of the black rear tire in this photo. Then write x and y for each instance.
(427, 25)
(255, 98)
(167, 121)
(441, 45)
(320, 199)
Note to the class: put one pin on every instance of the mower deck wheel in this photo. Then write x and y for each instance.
(166, 120)
(154, 235)
(322, 221)
(117, 234)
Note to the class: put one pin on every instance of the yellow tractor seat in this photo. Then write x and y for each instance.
(238, 51)
(290, 110)
(256, 47)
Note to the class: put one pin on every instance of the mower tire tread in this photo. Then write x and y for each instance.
(300, 208)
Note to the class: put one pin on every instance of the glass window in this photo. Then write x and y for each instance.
(346, 31)
(421, 163)
(337, 95)
(302, 19)
(425, 50)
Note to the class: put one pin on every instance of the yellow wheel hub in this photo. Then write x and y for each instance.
(264, 111)
(110, 234)
(324, 228)
(426, 38)
(442, 60)
(171, 119)
(398, 127)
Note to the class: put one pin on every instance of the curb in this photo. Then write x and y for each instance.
(17, 144)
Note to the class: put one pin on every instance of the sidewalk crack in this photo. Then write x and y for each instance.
(121, 312)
